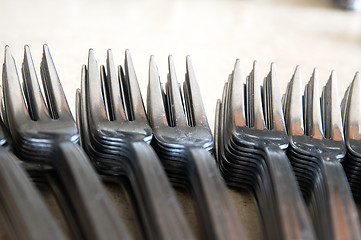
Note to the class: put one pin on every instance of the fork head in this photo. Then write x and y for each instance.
(352, 116)
(313, 122)
(254, 113)
(30, 117)
(177, 117)
(112, 101)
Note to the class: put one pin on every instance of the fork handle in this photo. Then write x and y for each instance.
(94, 210)
(27, 216)
(339, 206)
(159, 207)
(218, 213)
(291, 209)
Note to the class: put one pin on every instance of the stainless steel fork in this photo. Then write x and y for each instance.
(24, 211)
(251, 139)
(44, 132)
(352, 124)
(116, 134)
(316, 149)
(182, 139)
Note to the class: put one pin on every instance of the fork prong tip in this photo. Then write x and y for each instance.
(255, 63)
(8, 54)
(333, 75)
(127, 53)
(91, 53)
(315, 72)
(273, 67)
(7, 49)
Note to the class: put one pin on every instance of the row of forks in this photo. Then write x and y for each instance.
(115, 134)
(250, 132)
(173, 144)
(317, 147)
(45, 134)
(251, 138)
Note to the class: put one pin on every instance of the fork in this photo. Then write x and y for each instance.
(116, 133)
(316, 149)
(25, 212)
(352, 121)
(251, 138)
(45, 133)
(182, 130)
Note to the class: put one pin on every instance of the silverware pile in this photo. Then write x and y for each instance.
(251, 138)
(352, 124)
(298, 155)
(116, 134)
(183, 141)
(44, 133)
(316, 149)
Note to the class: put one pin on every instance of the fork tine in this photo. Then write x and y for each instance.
(105, 82)
(255, 100)
(116, 103)
(176, 106)
(137, 105)
(156, 110)
(224, 104)
(13, 94)
(81, 108)
(277, 118)
(316, 124)
(354, 113)
(335, 131)
(295, 115)
(93, 91)
(286, 100)
(78, 115)
(217, 130)
(200, 117)
(237, 104)
(36, 104)
(220, 121)
(57, 103)
(344, 105)
(3, 115)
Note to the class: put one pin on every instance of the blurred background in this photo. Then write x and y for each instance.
(309, 33)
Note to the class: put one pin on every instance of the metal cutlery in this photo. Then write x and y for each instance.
(183, 141)
(116, 134)
(44, 133)
(316, 150)
(23, 211)
(250, 136)
(173, 144)
(352, 121)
